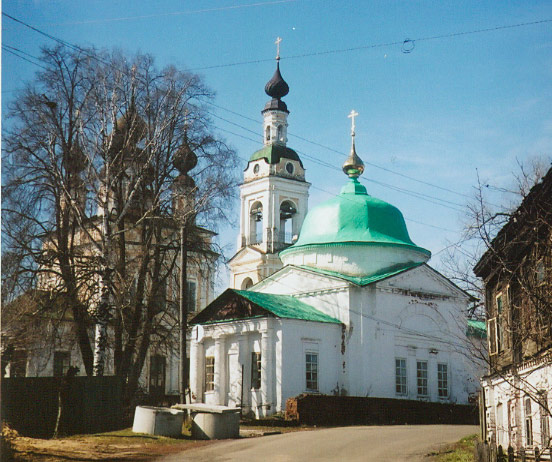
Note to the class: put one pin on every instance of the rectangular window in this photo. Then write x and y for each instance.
(192, 300)
(501, 305)
(491, 330)
(157, 374)
(400, 376)
(528, 423)
(442, 380)
(421, 375)
(62, 361)
(512, 413)
(255, 370)
(18, 365)
(545, 429)
(209, 373)
(311, 363)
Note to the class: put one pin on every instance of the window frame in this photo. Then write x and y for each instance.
(528, 417)
(544, 419)
(256, 370)
(420, 380)
(191, 289)
(64, 356)
(443, 379)
(492, 336)
(401, 376)
(314, 374)
(209, 370)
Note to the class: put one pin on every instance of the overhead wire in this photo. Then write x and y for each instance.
(18, 53)
(372, 164)
(434, 200)
(431, 199)
(379, 45)
(317, 53)
(333, 167)
(173, 13)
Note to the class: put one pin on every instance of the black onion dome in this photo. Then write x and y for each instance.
(277, 87)
(185, 159)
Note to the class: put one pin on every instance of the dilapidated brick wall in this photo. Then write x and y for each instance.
(311, 409)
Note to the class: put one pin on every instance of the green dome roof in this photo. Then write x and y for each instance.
(274, 152)
(354, 217)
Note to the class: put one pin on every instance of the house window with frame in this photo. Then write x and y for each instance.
(442, 380)
(421, 377)
(512, 414)
(528, 423)
(18, 365)
(311, 368)
(62, 362)
(158, 365)
(400, 376)
(255, 370)
(209, 373)
(544, 424)
(192, 299)
(501, 306)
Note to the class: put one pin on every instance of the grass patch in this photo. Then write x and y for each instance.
(120, 445)
(462, 451)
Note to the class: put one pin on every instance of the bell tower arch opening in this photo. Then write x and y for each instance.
(256, 223)
(288, 212)
(246, 283)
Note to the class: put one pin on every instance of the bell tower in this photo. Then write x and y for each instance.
(273, 195)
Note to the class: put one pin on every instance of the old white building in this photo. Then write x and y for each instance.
(352, 308)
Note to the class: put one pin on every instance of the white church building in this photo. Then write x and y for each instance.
(338, 300)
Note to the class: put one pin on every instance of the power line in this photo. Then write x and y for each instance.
(394, 172)
(434, 200)
(379, 45)
(58, 40)
(317, 53)
(15, 53)
(333, 168)
(173, 13)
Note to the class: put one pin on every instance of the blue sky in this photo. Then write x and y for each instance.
(451, 107)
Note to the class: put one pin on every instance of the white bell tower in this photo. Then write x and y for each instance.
(273, 195)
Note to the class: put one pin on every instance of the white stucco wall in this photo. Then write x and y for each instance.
(417, 316)
(506, 411)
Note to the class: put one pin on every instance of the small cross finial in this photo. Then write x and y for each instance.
(352, 116)
(277, 42)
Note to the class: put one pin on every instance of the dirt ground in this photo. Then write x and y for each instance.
(115, 446)
(121, 445)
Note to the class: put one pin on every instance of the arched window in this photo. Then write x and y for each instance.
(287, 213)
(267, 133)
(256, 223)
(246, 284)
(280, 132)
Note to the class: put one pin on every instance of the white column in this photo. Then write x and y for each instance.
(220, 370)
(266, 370)
(197, 371)
(245, 386)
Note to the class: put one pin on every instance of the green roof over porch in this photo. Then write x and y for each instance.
(234, 305)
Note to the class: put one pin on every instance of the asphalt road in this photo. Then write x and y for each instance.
(391, 443)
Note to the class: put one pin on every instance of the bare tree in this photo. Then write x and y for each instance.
(89, 207)
(505, 261)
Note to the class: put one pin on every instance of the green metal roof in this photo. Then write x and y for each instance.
(274, 152)
(477, 328)
(354, 217)
(364, 281)
(286, 306)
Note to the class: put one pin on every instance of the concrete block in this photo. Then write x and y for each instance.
(160, 421)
